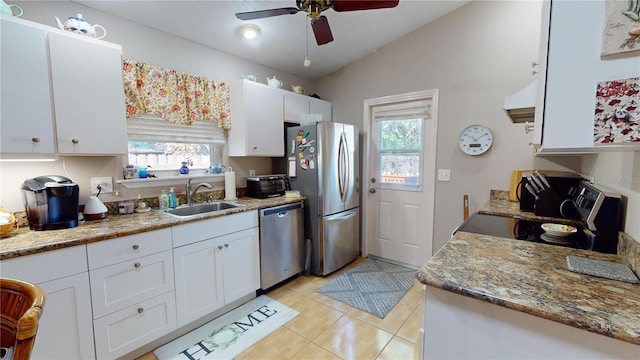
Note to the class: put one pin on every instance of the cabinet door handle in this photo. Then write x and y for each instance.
(136, 265)
(35, 139)
(140, 310)
(135, 247)
(220, 247)
(226, 245)
(75, 141)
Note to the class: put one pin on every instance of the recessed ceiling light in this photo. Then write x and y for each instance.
(249, 31)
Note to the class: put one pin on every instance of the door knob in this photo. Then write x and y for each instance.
(372, 190)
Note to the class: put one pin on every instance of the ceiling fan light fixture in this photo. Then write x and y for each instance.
(249, 31)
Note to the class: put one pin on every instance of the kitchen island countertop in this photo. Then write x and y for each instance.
(533, 278)
(27, 242)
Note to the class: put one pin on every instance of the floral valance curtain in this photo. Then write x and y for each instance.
(177, 97)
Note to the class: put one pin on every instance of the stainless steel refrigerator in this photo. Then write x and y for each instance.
(323, 164)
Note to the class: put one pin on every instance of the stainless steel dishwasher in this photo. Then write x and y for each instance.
(281, 243)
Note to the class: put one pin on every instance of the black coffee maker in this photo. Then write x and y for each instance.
(51, 202)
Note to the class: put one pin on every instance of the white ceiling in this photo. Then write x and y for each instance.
(282, 42)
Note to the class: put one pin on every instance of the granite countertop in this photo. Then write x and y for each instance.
(26, 242)
(533, 278)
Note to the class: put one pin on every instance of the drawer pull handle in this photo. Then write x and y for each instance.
(136, 265)
(226, 245)
(140, 310)
(136, 247)
(75, 141)
(35, 139)
(220, 247)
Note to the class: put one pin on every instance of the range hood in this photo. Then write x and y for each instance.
(521, 106)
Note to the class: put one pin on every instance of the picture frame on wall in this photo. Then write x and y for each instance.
(622, 27)
(617, 112)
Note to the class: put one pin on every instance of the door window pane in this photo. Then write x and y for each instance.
(400, 153)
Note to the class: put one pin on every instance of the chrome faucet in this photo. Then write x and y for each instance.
(191, 193)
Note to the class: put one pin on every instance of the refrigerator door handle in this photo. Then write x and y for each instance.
(343, 167)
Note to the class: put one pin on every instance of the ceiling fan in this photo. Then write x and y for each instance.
(314, 8)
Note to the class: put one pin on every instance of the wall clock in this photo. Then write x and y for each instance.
(475, 140)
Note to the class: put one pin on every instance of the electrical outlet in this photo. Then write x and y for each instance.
(444, 174)
(106, 184)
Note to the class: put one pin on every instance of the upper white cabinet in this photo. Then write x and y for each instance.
(76, 89)
(257, 120)
(26, 122)
(574, 67)
(296, 106)
(88, 95)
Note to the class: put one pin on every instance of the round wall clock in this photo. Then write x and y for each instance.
(475, 140)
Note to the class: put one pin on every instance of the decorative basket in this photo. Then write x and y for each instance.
(9, 228)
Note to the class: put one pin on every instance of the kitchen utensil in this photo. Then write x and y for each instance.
(465, 205)
(600, 268)
(273, 82)
(7, 9)
(250, 77)
(560, 230)
(79, 25)
(531, 190)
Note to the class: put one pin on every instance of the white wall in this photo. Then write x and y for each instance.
(475, 56)
(143, 44)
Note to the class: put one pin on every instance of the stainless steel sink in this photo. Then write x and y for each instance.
(198, 209)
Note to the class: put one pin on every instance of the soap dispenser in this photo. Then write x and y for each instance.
(173, 200)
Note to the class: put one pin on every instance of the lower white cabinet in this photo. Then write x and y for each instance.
(132, 327)
(131, 291)
(222, 265)
(65, 330)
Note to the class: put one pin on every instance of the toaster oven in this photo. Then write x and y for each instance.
(265, 186)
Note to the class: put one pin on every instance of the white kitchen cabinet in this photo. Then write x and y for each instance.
(88, 95)
(297, 106)
(77, 89)
(132, 291)
(26, 121)
(257, 120)
(65, 330)
(460, 327)
(321, 107)
(573, 70)
(216, 262)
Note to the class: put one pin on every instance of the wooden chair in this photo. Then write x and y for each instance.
(22, 305)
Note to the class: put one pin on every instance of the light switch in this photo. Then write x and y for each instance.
(444, 174)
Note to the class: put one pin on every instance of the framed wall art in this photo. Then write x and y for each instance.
(622, 27)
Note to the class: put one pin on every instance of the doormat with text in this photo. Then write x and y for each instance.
(373, 286)
(231, 333)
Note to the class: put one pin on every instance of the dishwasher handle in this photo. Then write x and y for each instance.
(281, 210)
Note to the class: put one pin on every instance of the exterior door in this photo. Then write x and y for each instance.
(400, 176)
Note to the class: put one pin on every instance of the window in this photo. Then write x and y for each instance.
(162, 145)
(400, 134)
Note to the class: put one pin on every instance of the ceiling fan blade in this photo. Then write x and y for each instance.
(321, 30)
(250, 15)
(353, 5)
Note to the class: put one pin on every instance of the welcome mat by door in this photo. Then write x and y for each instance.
(374, 286)
(231, 333)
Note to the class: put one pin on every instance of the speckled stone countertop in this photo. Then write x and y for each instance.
(533, 278)
(26, 242)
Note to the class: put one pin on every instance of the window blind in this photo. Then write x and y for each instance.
(403, 110)
(152, 127)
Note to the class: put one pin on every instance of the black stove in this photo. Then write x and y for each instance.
(527, 230)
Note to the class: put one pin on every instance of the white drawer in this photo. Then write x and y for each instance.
(46, 266)
(206, 229)
(126, 330)
(129, 247)
(117, 286)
